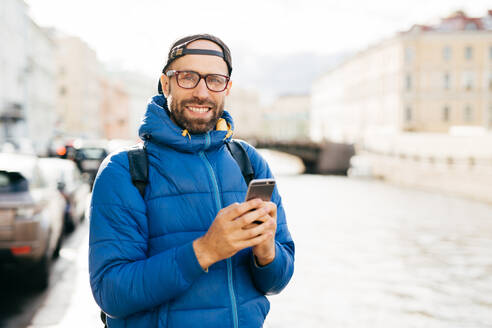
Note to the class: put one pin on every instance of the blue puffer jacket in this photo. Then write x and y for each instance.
(143, 270)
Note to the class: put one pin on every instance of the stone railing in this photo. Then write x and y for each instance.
(458, 165)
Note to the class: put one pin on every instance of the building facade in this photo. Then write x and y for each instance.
(27, 79)
(139, 89)
(41, 88)
(244, 106)
(79, 89)
(114, 110)
(427, 79)
(287, 119)
(14, 24)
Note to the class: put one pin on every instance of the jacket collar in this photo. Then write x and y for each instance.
(157, 127)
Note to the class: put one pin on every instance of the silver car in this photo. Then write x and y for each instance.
(65, 175)
(31, 218)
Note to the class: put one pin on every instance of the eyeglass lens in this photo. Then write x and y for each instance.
(189, 80)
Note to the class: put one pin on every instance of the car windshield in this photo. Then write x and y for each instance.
(12, 182)
(93, 153)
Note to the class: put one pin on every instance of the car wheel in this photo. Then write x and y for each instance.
(56, 252)
(40, 274)
(69, 226)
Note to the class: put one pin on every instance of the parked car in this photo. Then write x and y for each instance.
(66, 176)
(31, 218)
(89, 155)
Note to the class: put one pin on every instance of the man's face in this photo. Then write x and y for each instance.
(197, 109)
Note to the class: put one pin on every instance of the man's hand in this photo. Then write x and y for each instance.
(228, 233)
(265, 251)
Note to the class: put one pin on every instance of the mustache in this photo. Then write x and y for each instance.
(196, 101)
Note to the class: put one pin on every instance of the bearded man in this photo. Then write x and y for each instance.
(188, 253)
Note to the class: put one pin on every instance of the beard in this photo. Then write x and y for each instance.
(178, 113)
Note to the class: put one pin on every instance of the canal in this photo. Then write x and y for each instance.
(369, 254)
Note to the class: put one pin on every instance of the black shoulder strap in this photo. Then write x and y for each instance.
(241, 157)
(139, 167)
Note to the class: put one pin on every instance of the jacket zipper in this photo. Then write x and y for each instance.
(218, 203)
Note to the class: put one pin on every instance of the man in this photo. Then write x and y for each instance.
(188, 254)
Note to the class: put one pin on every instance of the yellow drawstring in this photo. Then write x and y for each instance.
(185, 132)
(229, 133)
(222, 125)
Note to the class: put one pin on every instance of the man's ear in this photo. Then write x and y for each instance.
(165, 85)
(228, 89)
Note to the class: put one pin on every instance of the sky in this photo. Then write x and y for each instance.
(136, 35)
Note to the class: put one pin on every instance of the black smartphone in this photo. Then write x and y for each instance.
(260, 188)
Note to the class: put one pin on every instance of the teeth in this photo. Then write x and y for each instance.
(198, 109)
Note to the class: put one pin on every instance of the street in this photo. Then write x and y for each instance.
(68, 300)
(368, 254)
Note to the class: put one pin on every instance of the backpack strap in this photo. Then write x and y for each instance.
(139, 167)
(242, 159)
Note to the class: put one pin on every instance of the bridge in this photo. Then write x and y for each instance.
(318, 158)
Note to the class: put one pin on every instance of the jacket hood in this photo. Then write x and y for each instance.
(157, 127)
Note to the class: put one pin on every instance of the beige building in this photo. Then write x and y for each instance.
(428, 79)
(244, 106)
(79, 89)
(115, 111)
(287, 118)
(139, 89)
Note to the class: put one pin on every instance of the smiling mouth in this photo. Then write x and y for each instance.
(198, 109)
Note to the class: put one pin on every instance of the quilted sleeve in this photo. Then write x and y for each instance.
(272, 278)
(123, 279)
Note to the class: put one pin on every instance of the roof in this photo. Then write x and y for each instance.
(457, 21)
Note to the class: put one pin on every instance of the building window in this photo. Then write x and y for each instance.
(468, 53)
(470, 26)
(408, 114)
(468, 114)
(446, 53)
(490, 52)
(446, 114)
(468, 78)
(490, 81)
(409, 55)
(408, 82)
(447, 82)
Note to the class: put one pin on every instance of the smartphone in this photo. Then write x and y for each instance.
(260, 188)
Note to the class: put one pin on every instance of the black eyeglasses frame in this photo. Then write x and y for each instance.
(173, 72)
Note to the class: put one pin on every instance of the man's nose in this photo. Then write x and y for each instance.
(201, 90)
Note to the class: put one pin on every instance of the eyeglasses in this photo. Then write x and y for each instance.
(190, 79)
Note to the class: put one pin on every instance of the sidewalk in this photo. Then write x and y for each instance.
(69, 302)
